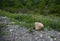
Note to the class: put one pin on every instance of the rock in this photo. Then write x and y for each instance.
(59, 33)
(51, 39)
(41, 35)
(38, 26)
(11, 30)
(16, 37)
(36, 38)
(54, 38)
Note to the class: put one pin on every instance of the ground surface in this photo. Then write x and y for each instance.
(17, 33)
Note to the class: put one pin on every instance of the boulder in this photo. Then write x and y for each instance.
(38, 26)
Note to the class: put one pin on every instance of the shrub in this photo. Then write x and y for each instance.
(54, 8)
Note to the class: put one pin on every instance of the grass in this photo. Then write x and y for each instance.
(27, 20)
(52, 36)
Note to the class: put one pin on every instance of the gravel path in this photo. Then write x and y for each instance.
(17, 33)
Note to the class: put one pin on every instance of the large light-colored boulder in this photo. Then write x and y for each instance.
(38, 26)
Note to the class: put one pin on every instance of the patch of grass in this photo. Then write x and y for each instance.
(52, 36)
(28, 20)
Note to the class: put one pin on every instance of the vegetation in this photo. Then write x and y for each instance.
(39, 6)
(26, 12)
(27, 20)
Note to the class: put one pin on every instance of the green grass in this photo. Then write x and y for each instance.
(27, 20)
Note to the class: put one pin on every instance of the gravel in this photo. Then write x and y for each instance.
(17, 33)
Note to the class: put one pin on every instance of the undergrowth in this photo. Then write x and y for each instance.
(28, 20)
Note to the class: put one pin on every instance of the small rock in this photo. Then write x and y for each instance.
(43, 40)
(54, 38)
(26, 34)
(51, 39)
(11, 30)
(16, 37)
(36, 38)
(48, 36)
(41, 35)
(38, 26)
(59, 33)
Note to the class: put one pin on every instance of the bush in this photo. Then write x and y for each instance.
(54, 8)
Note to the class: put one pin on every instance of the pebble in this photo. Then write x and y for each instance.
(11, 30)
(48, 36)
(54, 38)
(41, 35)
(16, 37)
(26, 34)
(59, 33)
(36, 38)
(43, 40)
(51, 39)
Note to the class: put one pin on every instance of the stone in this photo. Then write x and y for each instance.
(16, 37)
(36, 38)
(54, 38)
(51, 39)
(59, 33)
(41, 35)
(11, 30)
(38, 26)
